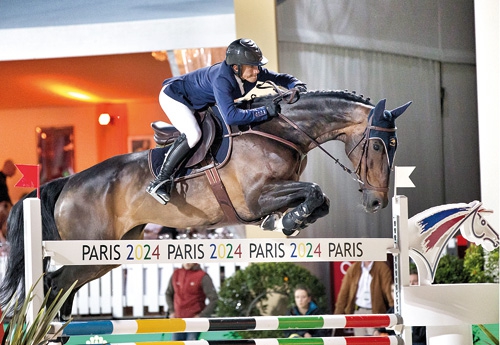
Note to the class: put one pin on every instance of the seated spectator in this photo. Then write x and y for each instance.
(304, 305)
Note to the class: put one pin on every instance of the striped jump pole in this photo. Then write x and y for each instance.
(390, 340)
(256, 323)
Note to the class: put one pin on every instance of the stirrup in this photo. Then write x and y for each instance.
(162, 199)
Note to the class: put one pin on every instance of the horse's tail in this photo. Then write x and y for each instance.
(13, 281)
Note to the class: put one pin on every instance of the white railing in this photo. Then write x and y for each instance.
(139, 288)
(136, 288)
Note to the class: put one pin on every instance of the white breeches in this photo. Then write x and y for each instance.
(181, 118)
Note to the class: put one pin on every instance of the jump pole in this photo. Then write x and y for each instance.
(390, 340)
(255, 323)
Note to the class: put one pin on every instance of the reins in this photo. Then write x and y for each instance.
(292, 96)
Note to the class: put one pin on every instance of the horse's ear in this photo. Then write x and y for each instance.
(399, 110)
(378, 111)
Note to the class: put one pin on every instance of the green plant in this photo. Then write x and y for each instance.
(450, 270)
(479, 268)
(20, 333)
(246, 293)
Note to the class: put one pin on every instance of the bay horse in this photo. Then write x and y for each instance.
(108, 200)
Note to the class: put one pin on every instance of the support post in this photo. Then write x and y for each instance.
(33, 255)
(401, 259)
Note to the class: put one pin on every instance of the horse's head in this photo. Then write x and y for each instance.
(477, 229)
(373, 154)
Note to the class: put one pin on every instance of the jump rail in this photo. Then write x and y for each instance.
(256, 323)
(390, 340)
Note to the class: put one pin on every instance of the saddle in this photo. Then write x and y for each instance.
(165, 134)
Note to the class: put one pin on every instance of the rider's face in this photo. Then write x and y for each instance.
(249, 73)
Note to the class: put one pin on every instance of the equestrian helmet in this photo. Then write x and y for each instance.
(244, 51)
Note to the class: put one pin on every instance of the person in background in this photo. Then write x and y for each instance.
(187, 291)
(304, 305)
(418, 333)
(219, 84)
(8, 170)
(365, 289)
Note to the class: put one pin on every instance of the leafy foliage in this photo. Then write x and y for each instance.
(481, 269)
(450, 270)
(475, 267)
(246, 292)
(20, 333)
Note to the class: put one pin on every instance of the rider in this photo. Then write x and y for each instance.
(221, 83)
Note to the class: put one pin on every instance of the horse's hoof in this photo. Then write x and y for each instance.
(291, 233)
(269, 223)
(287, 232)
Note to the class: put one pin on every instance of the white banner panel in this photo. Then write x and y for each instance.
(208, 251)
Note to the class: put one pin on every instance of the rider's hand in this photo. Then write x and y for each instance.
(301, 87)
(273, 109)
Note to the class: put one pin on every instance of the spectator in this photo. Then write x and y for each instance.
(418, 333)
(304, 305)
(186, 293)
(365, 289)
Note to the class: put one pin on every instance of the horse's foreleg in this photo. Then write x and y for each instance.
(308, 202)
(306, 213)
(319, 212)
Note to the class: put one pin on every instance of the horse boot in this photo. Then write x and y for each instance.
(161, 187)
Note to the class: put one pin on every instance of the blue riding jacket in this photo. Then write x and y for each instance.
(217, 84)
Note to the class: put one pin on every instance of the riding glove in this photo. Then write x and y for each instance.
(301, 87)
(273, 109)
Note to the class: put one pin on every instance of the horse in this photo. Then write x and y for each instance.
(429, 232)
(261, 179)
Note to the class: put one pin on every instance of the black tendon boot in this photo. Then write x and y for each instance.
(160, 187)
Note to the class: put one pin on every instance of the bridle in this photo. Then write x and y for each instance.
(362, 174)
(359, 175)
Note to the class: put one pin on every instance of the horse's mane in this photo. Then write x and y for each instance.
(341, 94)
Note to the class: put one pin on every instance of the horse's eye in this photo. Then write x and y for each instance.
(376, 147)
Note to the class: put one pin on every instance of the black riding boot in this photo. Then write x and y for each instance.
(160, 187)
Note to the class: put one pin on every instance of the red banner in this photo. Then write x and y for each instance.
(30, 176)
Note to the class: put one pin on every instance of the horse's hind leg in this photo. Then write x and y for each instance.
(61, 280)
